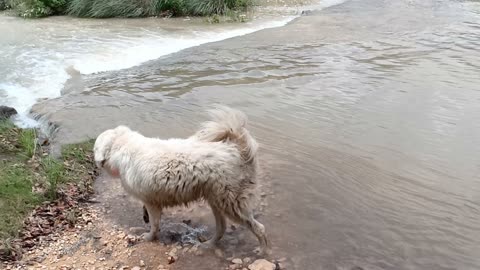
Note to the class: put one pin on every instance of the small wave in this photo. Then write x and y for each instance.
(120, 56)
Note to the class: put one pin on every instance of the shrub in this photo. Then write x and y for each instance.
(38, 8)
(174, 7)
(210, 7)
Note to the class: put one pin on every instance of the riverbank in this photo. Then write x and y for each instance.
(40, 196)
(51, 218)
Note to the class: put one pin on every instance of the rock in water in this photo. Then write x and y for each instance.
(6, 112)
(261, 264)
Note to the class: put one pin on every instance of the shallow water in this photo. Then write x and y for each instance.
(41, 59)
(368, 117)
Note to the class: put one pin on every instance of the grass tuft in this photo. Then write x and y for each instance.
(28, 141)
(55, 173)
(6, 126)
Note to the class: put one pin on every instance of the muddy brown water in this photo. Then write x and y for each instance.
(369, 119)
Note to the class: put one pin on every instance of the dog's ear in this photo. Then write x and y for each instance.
(104, 142)
(103, 146)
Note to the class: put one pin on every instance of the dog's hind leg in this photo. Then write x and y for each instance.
(259, 230)
(220, 224)
(154, 214)
(244, 216)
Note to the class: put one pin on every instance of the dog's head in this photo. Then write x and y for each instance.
(103, 146)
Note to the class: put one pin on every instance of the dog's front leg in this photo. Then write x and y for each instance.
(154, 213)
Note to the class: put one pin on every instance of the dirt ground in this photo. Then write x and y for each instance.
(107, 235)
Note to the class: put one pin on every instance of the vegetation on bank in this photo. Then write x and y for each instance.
(124, 8)
(30, 179)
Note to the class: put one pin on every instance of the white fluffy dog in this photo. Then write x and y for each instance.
(217, 164)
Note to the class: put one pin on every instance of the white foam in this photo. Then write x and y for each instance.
(153, 47)
(330, 3)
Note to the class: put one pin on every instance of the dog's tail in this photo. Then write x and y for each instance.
(228, 125)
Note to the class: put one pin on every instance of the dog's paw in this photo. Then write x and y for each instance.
(149, 236)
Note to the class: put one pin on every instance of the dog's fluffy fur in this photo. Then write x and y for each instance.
(217, 164)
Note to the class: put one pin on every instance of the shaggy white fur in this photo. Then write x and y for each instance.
(218, 164)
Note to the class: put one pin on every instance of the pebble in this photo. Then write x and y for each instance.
(262, 264)
(136, 268)
(142, 263)
(172, 252)
(246, 260)
(237, 261)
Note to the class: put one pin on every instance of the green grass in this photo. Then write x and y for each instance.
(28, 141)
(78, 152)
(20, 176)
(21, 141)
(6, 126)
(55, 174)
(16, 197)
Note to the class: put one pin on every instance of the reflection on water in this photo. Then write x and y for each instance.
(369, 122)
